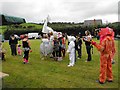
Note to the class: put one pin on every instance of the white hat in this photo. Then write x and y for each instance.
(71, 38)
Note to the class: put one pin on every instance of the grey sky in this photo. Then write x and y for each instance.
(61, 10)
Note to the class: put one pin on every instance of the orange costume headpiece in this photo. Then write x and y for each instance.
(106, 32)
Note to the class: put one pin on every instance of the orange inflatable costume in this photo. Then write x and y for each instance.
(107, 51)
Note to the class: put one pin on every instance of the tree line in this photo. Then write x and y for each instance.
(69, 28)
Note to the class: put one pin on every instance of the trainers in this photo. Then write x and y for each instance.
(113, 61)
(27, 62)
(99, 82)
(59, 59)
(70, 65)
(55, 58)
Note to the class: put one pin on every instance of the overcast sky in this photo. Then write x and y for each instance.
(61, 10)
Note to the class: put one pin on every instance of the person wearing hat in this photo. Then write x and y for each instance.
(106, 49)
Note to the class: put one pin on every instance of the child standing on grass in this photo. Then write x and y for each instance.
(63, 45)
(19, 50)
(55, 48)
(26, 48)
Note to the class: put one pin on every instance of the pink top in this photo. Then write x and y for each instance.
(19, 49)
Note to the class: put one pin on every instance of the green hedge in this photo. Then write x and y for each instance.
(7, 33)
(69, 29)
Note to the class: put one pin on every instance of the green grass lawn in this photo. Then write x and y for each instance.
(54, 74)
(2, 29)
(34, 25)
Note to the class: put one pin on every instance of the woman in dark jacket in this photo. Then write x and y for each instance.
(13, 44)
(87, 40)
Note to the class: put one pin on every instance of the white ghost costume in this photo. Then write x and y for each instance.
(71, 50)
(46, 47)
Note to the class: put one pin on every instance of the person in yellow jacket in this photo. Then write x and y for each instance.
(106, 48)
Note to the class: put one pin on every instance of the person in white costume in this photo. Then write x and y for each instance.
(71, 50)
(45, 46)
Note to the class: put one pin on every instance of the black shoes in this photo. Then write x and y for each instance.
(103, 82)
(110, 80)
(113, 61)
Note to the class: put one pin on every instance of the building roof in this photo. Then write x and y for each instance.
(93, 22)
(11, 19)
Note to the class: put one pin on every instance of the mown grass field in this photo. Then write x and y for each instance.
(54, 74)
(25, 25)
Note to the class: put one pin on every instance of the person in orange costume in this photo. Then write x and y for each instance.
(107, 49)
(112, 36)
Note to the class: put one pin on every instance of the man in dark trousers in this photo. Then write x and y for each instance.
(13, 44)
(79, 46)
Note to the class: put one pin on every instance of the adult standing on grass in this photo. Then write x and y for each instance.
(13, 44)
(26, 48)
(106, 48)
(79, 46)
(87, 40)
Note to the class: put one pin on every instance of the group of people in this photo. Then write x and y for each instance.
(75, 44)
(55, 45)
(106, 48)
(16, 48)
